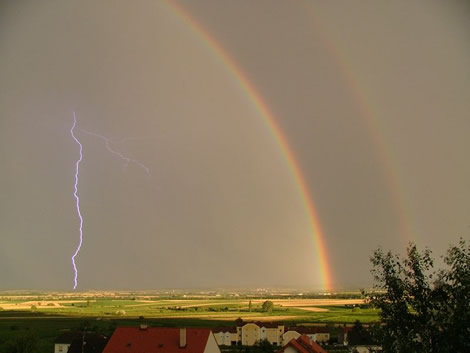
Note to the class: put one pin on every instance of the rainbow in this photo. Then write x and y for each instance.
(269, 119)
(372, 123)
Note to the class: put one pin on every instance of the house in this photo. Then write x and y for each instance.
(272, 333)
(343, 335)
(145, 339)
(290, 335)
(63, 342)
(319, 334)
(303, 344)
(226, 336)
(80, 342)
(248, 334)
(90, 343)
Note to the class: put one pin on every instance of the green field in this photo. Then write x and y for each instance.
(47, 317)
(201, 309)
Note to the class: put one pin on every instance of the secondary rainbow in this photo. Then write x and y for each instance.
(371, 121)
(268, 117)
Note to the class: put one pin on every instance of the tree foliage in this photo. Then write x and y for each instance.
(23, 343)
(359, 335)
(267, 306)
(423, 310)
(262, 346)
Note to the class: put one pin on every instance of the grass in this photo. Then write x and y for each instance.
(213, 309)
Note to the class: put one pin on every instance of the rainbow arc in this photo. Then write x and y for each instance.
(270, 120)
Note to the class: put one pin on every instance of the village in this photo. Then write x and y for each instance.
(263, 336)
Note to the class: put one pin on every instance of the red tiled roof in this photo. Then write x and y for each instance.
(156, 340)
(304, 344)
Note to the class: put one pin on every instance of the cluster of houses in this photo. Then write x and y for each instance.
(146, 339)
(248, 334)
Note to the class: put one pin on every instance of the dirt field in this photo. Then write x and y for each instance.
(312, 309)
(39, 304)
(312, 302)
(233, 317)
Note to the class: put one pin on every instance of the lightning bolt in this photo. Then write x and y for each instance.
(126, 159)
(108, 143)
(77, 199)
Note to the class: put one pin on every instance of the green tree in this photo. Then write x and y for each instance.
(267, 306)
(249, 306)
(23, 343)
(262, 346)
(453, 291)
(423, 310)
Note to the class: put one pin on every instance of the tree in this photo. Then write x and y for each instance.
(249, 306)
(23, 343)
(453, 289)
(267, 306)
(262, 346)
(359, 335)
(423, 310)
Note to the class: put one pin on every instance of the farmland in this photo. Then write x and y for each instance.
(99, 306)
(48, 314)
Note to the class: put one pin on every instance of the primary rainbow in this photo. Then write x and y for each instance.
(268, 117)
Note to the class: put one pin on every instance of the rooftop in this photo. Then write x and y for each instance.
(156, 340)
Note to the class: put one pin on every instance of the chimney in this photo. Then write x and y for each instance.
(182, 337)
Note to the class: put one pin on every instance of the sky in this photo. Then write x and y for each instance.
(371, 99)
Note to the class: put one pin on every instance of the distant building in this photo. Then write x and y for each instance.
(303, 344)
(145, 339)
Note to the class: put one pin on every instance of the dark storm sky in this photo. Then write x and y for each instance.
(373, 99)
